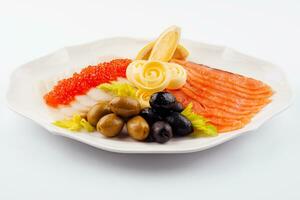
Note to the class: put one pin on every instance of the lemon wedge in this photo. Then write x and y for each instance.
(166, 44)
(181, 53)
(145, 52)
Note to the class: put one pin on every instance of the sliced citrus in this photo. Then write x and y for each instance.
(166, 44)
(181, 53)
(145, 52)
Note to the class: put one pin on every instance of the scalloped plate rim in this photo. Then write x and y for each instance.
(213, 143)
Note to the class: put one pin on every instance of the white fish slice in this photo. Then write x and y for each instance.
(85, 100)
(67, 111)
(99, 95)
(79, 107)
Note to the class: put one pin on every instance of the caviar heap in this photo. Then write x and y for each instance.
(65, 90)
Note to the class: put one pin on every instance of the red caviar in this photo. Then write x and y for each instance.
(65, 90)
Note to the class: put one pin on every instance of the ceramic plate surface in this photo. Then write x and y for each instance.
(24, 94)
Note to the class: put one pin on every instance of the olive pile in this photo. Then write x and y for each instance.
(110, 118)
(158, 123)
(165, 119)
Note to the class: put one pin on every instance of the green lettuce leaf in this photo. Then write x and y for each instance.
(76, 123)
(86, 125)
(119, 89)
(201, 126)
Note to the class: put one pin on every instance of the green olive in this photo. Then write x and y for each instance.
(125, 106)
(97, 111)
(110, 125)
(138, 128)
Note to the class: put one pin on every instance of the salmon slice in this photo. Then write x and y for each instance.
(243, 104)
(194, 69)
(216, 102)
(206, 111)
(227, 100)
(224, 76)
(223, 129)
(262, 92)
(227, 95)
(227, 122)
(215, 116)
(248, 94)
(210, 111)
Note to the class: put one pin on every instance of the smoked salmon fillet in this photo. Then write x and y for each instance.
(201, 82)
(263, 92)
(221, 101)
(227, 100)
(227, 77)
(215, 116)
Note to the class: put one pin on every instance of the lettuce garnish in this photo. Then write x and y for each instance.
(86, 125)
(76, 123)
(119, 89)
(201, 126)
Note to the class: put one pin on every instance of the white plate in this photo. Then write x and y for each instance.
(25, 98)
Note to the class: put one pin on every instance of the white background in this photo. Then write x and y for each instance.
(35, 164)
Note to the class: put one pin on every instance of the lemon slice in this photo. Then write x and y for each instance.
(166, 44)
(145, 52)
(181, 53)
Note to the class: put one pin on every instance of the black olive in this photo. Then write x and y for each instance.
(162, 112)
(180, 124)
(150, 115)
(161, 131)
(177, 107)
(162, 100)
(150, 138)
